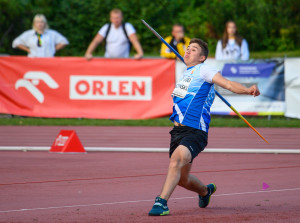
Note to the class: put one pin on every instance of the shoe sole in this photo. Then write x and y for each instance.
(161, 214)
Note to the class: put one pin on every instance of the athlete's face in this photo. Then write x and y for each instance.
(193, 55)
(116, 19)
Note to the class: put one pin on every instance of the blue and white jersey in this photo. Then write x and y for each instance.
(193, 97)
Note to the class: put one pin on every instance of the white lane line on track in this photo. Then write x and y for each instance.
(129, 149)
(138, 201)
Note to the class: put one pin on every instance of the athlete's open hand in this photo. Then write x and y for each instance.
(253, 90)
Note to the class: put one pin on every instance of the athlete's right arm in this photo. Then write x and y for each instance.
(89, 52)
(234, 87)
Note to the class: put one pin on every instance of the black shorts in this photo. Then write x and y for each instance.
(194, 139)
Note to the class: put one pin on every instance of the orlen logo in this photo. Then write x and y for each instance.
(31, 79)
(110, 88)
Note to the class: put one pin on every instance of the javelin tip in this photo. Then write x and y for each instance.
(151, 29)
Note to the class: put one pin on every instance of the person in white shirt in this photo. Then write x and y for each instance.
(232, 46)
(40, 41)
(118, 37)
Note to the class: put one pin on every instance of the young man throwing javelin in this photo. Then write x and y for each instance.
(192, 97)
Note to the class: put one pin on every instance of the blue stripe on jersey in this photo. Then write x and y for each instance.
(197, 109)
(194, 109)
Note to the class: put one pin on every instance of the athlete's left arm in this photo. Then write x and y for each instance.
(235, 87)
(137, 46)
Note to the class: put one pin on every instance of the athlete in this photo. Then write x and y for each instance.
(192, 97)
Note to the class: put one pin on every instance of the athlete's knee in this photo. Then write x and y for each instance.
(175, 163)
(180, 157)
(184, 180)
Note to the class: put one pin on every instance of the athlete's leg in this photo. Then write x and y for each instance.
(190, 182)
(179, 159)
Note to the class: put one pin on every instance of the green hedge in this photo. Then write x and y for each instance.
(268, 25)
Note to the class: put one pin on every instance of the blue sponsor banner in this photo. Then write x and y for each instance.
(248, 70)
(267, 74)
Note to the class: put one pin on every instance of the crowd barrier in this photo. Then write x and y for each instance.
(72, 87)
(292, 87)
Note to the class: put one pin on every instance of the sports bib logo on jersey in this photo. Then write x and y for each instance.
(182, 87)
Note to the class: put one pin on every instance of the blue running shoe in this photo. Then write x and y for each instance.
(204, 201)
(159, 208)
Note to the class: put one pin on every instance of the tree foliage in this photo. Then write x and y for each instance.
(266, 24)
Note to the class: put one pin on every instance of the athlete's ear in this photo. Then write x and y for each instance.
(202, 58)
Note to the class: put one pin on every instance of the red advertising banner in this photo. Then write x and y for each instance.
(70, 87)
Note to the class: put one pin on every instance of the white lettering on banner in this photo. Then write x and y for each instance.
(84, 87)
(248, 70)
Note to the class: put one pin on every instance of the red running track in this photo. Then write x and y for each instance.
(151, 137)
(121, 187)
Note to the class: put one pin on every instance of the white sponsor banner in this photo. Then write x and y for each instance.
(85, 87)
(292, 87)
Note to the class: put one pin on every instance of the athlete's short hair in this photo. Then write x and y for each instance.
(203, 46)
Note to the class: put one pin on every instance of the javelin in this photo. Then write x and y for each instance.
(217, 93)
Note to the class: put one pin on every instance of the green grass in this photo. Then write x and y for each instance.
(261, 121)
(217, 121)
(266, 54)
(83, 122)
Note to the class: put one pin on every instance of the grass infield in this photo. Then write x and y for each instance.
(217, 121)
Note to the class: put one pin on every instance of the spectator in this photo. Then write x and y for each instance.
(178, 41)
(232, 46)
(40, 41)
(118, 36)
